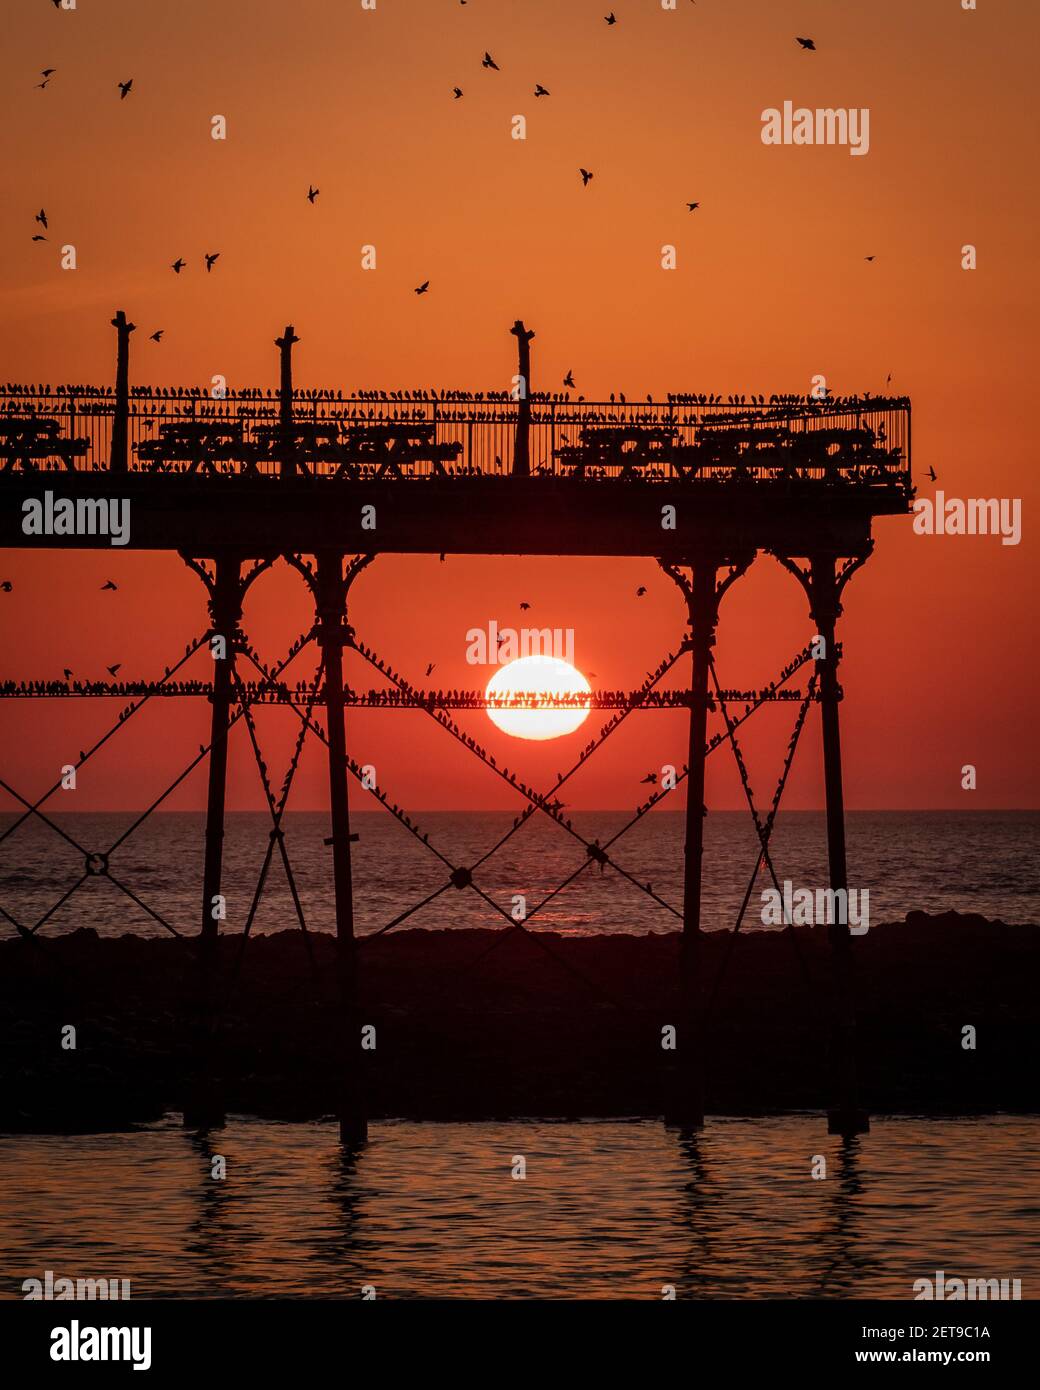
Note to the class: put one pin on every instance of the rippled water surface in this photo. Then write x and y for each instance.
(606, 1209)
(984, 862)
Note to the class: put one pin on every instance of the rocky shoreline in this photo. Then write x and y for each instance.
(480, 1024)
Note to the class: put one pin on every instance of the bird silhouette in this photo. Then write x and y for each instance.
(868, 258)
(156, 337)
(47, 72)
(541, 91)
(568, 380)
(7, 586)
(124, 89)
(457, 91)
(210, 259)
(932, 475)
(693, 206)
(611, 18)
(650, 777)
(108, 585)
(312, 192)
(67, 674)
(41, 85)
(640, 591)
(178, 265)
(429, 669)
(585, 176)
(113, 669)
(488, 62)
(39, 238)
(806, 43)
(421, 289)
(41, 217)
(524, 607)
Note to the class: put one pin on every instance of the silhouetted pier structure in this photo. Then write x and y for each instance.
(235, 479)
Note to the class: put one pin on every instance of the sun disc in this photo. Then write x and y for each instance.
(545, 676)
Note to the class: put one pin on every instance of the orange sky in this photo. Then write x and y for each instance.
(771, 287)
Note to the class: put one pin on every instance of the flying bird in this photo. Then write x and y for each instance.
(868, 258)
(693, 206)
(488, 62)
(7, 586)
(568, 380)
(48, 71)
(40, 85)
(932, 475)
(806, 43)
(640, 591)
(113, 669)
(41, 217)
(210, 259)
(651, 777)
(39, 238)
(108, 585)
(421, 289)
(312, 192)
(524, 607)
(585, 176)
(178, 266)
(67, 674)
(541, 91)
(429, 669)
(156, 337)
(457, 91)
(611, 18)
(124, 89)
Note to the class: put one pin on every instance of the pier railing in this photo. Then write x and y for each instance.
(423, 434)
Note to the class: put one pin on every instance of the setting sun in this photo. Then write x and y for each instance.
(538, 675)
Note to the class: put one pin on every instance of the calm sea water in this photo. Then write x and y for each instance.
(984, 862)
(606, 1210)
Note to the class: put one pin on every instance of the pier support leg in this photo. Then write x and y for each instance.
(333, 633)
(205, 1106)
(824, 584)
(686, 1106)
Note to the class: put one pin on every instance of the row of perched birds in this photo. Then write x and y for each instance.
(439, 394)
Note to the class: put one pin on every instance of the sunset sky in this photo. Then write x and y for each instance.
(771, 287)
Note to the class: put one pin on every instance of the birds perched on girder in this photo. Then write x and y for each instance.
(124, 89)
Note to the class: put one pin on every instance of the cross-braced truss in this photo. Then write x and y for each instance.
(460, 877)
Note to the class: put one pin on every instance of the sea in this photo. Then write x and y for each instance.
(592, 1209)
(931, 861)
